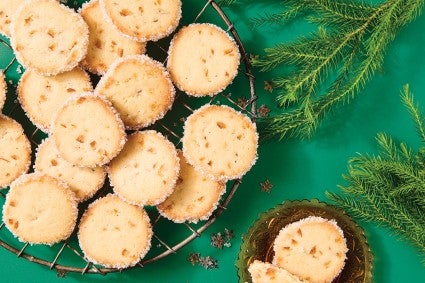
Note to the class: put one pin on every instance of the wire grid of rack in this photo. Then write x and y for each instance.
(162, 247)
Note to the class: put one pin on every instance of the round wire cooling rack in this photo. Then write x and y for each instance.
(67, 256)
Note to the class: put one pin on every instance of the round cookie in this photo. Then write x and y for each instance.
(87, 131)
(139, 88)
(40, 210)
(220, 142)
(84, 182)
(106, 44)
(41, 96)
(194, 198)
(202, 59)
(3, 90)
(312, 248)
(15, 151)
(143, 20)
(7, 9)
(264, 272)
(48, 36)
(114, 233)
(146, 170)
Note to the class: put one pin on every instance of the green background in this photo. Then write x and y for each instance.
(297, 169)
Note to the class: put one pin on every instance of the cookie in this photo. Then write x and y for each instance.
(48, 37)
(7, 10)
(202, 59)
(106, 44)
(220, 142)
(114, 233)
(41, 96)
(194, 198)
(3, 90)
(264, 272)
(15, 151)
(312, 248)
(139, 88)
(143, 20)
(146, 170)
(87, 131)
(40, 210)
(84, 182)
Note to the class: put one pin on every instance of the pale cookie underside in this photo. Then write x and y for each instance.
(114, 233)
(143, 20)
(87, 131)
(264, 272)
(48, 36)
(220, 142)
(84, 182)
(139, 88)
(41, 96)
(313, 242)
(194, 198)
(202, 59)
(106, 44)
(40, 210)
(15, 151)
(146, 170)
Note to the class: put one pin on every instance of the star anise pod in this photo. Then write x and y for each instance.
(266, 186)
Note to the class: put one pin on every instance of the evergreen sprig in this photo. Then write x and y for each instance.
(341, 56)
(390, 188)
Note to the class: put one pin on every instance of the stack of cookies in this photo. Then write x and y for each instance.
(311, 250)
(98, 131)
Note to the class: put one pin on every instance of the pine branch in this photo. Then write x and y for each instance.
(349, 46)
(389, 188)
(407, 99)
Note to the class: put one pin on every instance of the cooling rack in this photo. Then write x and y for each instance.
(168, 237)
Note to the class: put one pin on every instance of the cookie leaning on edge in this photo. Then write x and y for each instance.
(202, 59)
(139, 88)
(143, 20)
(264, 272)
(88, 131)
(313, 248)
(7, 10)
(106, 44)
(114, 233)
(194, 197)
(220, 142)
(39, 209)
(48, 37)
(3, 90)
(15, 151)
(146, 170)
(41, 96)
(84, 182)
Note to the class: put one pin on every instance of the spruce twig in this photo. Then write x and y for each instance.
(348, 48)
(389, 188)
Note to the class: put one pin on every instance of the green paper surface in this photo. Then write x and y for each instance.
(297, 169)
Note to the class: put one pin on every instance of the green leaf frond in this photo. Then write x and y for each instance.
(415, 113)
(389, 188)
(280, 18)
(346, 57)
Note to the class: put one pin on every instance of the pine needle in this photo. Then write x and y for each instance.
(347, 49)
(389, 188)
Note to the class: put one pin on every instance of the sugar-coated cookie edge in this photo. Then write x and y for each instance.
(19, 92)
(62, 185)
(3, 89)
(172, 183)
(88, 196)
(153, 37)
(27, 148)
(233, 76)
(108, 104)
(84, 38)
(149, 236)
(142, 58)
(222, 177)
